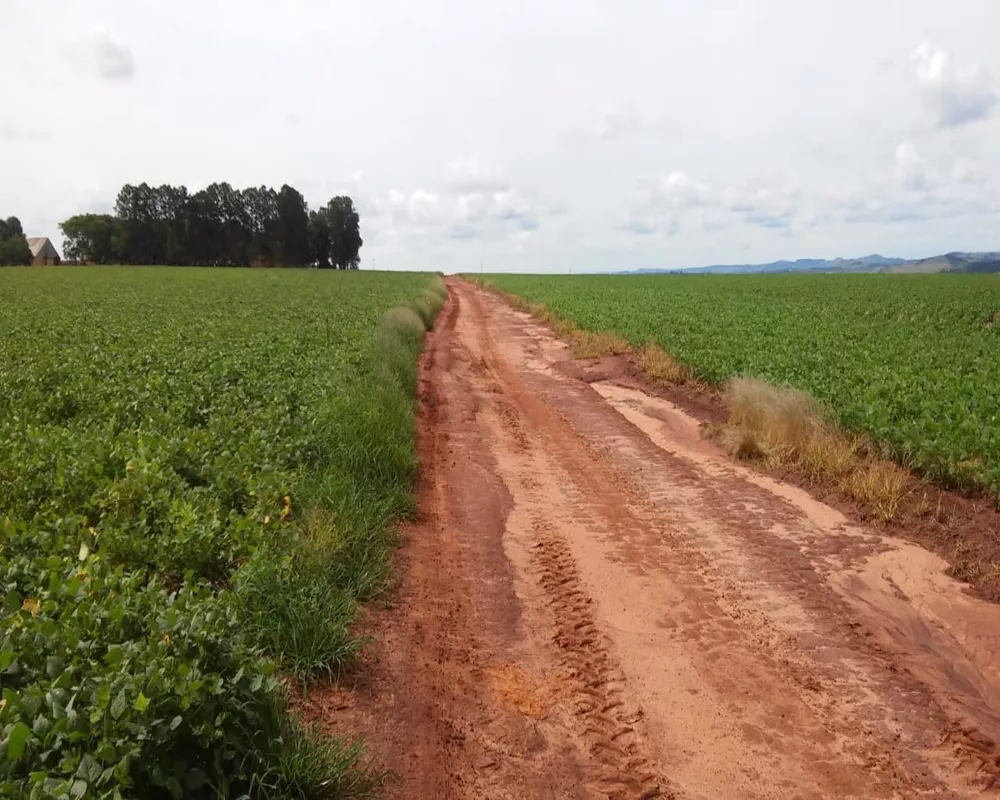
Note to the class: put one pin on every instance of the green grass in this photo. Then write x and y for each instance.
(912, 360)
(199, 475)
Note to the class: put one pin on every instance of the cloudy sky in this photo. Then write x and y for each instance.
(529, 135)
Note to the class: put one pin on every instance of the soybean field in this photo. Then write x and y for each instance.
(199, 473)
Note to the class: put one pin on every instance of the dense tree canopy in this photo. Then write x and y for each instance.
(217, 226)
(337, 236)
(13, 246)
(92, 237)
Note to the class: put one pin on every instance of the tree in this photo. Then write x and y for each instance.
(345, 239)
(14, 248)
(135, 207)
(217, 226)
(261, 209)
(292, 233)
(235, 225)
(336, 234)
(173, 245)
(93, 238)
(319, 238)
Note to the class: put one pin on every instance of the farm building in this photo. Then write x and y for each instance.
(43, 252)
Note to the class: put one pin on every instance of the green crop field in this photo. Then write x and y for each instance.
(913, 360)
(198, 474)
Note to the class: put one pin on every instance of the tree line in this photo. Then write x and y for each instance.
(217, 226)
(14, 248)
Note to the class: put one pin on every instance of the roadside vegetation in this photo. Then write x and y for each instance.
(199, 475)
(862, 368)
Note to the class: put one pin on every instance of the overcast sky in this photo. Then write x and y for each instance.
(541, 135)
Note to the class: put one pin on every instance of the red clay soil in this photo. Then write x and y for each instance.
(964, 529)
(598, 603)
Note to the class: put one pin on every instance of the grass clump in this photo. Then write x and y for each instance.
(767, 423)
(785, 427)
(880, 485)
(429, 302)
(659, 365)
(298, 616)
(594, 345)
(300, 761)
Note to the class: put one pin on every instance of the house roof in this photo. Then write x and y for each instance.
(38, 244)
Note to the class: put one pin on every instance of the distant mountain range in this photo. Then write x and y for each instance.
(949, 262)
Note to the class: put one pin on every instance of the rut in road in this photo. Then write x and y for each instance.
(596, 603)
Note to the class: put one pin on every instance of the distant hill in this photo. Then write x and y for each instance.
(950, 262)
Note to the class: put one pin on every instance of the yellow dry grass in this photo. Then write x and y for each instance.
(659, 365)
(593, 345)
(830, 454)
(782, 426)
(768, 423)
(880, 485)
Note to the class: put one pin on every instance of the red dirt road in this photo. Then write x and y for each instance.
(596, 603)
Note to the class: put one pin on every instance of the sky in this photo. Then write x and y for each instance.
(553, 136)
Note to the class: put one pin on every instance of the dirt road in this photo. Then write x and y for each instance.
(598, 603)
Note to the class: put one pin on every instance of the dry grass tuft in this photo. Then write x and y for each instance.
(563, 328)
(769, 423)
(659, 365)
(830, 454)
(785, 427)
(880, 485)
(593, 345)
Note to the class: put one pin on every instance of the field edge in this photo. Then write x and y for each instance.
(765, 426)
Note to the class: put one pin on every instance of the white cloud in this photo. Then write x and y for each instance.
(682, 192)
(417, 208)
(917, 190)
(475, 203)
(110, 56)
(964, 170)
(953, 95)
(616, 125)
(910, 169)
(470, 175)
(662, 207)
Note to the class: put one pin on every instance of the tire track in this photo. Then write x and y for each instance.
(592, 681)
(593, 678)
